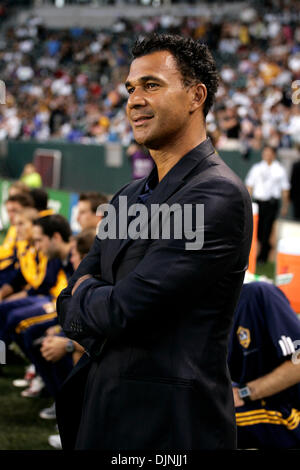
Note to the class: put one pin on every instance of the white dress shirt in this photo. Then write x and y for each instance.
(267, 181)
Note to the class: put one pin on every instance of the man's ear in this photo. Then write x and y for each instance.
(199, 96)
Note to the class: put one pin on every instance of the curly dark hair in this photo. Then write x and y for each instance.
(193, 58)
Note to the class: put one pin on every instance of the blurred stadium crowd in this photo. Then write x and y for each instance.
(68, 84)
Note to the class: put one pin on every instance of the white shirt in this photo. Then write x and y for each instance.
(267, 181)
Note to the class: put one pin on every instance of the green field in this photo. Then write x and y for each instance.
(21, 428)
(267, 269)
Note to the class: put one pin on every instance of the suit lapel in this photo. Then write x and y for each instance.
(111, 247)
(172, 182)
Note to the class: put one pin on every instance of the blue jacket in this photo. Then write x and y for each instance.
(155, 321)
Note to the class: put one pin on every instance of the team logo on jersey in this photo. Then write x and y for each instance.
(243, 336)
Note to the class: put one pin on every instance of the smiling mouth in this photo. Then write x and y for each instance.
(141, 120)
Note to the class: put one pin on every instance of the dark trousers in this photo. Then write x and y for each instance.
(52, 373)
(296, 210)
(268, 211)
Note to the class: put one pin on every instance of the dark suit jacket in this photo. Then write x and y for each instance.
(156, 323)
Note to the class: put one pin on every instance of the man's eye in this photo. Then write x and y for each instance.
(152, 85)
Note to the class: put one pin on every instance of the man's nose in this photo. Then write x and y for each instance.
(136, 99)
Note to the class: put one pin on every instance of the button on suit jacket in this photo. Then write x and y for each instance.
(155, 322)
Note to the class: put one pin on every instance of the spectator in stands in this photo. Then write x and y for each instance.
(46, 279)
(88, 204)
(30, 271)
(18, 187)
(229, 122)
(55, 347)
(40, 198)
(51, 236)
(52, 355)
(267, 183)
(259, 59)
(49, 360)
(14, 205)
(80, 246)
(58, 118)
(40, 277)
(24, 223)
(265, 369)
(31, 177)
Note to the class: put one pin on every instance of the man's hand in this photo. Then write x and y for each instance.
(5, 291)
(54, 348)
(237, 400)
(79, 281)
(18, 295)
(53, 330)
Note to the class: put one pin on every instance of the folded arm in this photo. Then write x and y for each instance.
(166, 273)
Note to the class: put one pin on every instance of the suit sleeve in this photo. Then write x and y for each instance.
(89, 265)
(167, 272)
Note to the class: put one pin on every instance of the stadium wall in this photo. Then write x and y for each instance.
(103, 168)
(95, 16)
(83, 167)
